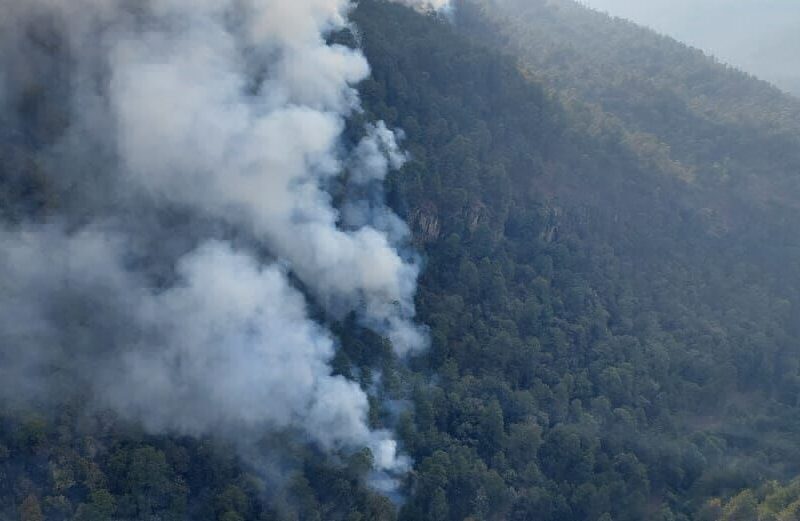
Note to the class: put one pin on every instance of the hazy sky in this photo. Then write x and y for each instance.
(759, 36)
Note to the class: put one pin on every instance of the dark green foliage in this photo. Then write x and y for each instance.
(582, 289)
(610, 281)
(90, 470)
(769, 502)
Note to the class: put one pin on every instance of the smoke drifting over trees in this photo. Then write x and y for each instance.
(209, 312)
(198, 143)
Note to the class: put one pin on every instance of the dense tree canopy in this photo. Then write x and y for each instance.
(608, 226)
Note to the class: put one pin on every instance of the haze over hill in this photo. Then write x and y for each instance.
(761, 37)
(315, 261)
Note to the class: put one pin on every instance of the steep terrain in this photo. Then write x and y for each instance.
(654, 294)
(611, 280)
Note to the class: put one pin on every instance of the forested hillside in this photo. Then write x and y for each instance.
(657, 308)
(608, 226)
(713, 123)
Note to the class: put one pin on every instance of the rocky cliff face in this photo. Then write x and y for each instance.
(425, 222)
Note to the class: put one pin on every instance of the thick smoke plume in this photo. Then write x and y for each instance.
(427, 5)
(201, 139)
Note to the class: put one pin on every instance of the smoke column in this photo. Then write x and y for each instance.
(202, 136)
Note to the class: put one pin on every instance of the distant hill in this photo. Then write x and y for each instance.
(758, 36)
(608, 222)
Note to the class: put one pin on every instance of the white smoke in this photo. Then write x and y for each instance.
(427, 5)
(239, 351)
(229, 348)
(232, 110)
(261, 160)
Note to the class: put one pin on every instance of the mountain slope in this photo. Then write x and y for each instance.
(634, 326)
(728, 129)
(614, 322)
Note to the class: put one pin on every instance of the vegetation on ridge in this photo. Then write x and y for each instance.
(611, 283)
